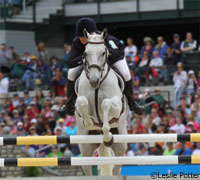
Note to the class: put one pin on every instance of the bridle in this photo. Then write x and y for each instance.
(101, 68)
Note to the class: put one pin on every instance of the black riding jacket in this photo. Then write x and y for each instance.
(115, 48)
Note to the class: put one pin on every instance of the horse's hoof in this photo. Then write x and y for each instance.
(110, 143)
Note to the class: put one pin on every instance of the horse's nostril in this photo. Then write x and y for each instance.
(94, 82)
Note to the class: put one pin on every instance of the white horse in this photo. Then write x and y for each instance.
(100, 106)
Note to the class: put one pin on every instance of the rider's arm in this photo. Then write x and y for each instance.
(75, 55)
(75, 58)
(116, 50)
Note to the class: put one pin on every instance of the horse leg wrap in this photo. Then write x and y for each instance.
(109, 143)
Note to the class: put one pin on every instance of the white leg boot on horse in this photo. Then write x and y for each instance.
(111, 109)
(82, 108)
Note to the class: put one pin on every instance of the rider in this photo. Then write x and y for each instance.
(116, 59)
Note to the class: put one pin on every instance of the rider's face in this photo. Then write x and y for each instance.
(83, 40)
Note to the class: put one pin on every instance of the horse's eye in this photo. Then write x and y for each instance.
(85, 54)
(103, 53)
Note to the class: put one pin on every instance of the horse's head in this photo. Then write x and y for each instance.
(95, 57)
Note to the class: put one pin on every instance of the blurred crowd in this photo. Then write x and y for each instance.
(36, 115)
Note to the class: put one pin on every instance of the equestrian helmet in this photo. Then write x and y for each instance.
(83, 23)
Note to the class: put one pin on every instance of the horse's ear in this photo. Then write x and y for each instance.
(105, 33)
(85, 33)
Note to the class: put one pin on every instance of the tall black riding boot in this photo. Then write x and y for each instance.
(133, 106)
(69, 107)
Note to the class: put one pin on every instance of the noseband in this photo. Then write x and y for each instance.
(87, 66)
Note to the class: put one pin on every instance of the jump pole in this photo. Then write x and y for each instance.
(78, 139)
(79, 161)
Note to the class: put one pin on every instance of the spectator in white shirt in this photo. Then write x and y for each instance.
(179, 127)
(130, 49)
(4, 84)
(189, 44)
(197, 149)
(179, 79)
(5, 56)
(156, 62)
(15, 100)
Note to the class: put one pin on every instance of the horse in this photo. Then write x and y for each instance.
(101, 106)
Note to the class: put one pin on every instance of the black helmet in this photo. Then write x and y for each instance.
(83, 23)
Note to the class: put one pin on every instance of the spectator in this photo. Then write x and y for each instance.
(176, 48)
(191, 84)
(161, 46)
(33, 131)
(142, 64)
(158, 97)
(179, 79)
(4, 84)
(171, 119)
(183, 150)
(15, 101)
(54, 65)
(27, 123)
(192, 124)
(129, 151)
(67, 51)
(43, 53)
(32, 110)
(189, 44)
(196, 150)
(27, 99)
(157, 64)
(130, 63)
(5, 56)
(6, 131)
(13, 129)
(195, 115)
(40, 129)
(153, 120)
(60, 123)
(14, 55)
(72, 129)
(135, 79)
(179, 127)
(30, 149)
(16, 117)
(55, 152)
(130, 49)
(170, 149)
(31, 73)
(148, 47)
(20, 130)
(26, 58)
(154, 150)
(40, 98)
(58, 83)
(67, 152)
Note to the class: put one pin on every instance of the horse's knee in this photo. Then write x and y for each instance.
(81, 101)
(106, 104)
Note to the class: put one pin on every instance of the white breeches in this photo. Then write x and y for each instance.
(120, 65)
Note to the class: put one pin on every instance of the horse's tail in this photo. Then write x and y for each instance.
(105, 170)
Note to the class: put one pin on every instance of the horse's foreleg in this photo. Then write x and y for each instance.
(82, 109)
(107, 135)
(111, 109)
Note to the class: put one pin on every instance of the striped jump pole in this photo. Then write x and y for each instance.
(79, 161)
(78, 139)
